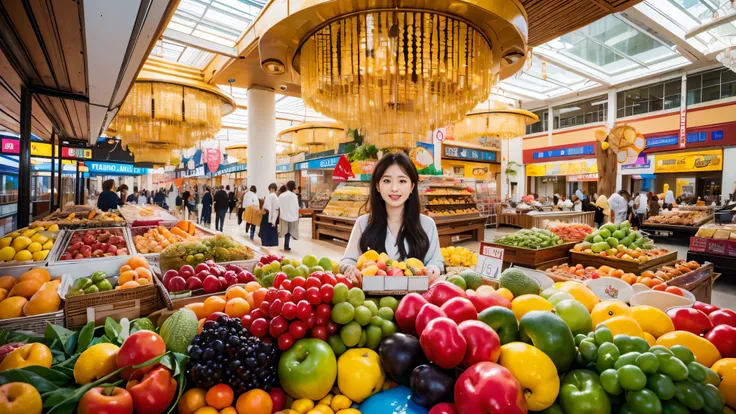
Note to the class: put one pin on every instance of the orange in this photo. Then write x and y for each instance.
(228, 410)
(237, 307)
(220, 396)
(26, 289)
(143, 272)
(198, 309)
(250, 286)
(130, 285)
(127, 276)
(3, 294)
(660, 287)
(674, 290)
(125, 268)
(647, 273)
(235, 292)
(645, 281)
(12, 307)
(249, 299)
(214, 304)
(44, 301)
(630, 279)
(192, 401)
(655, 282)
(617, 273)
(207, 410)
(604, 270)
(7, 282)
(137, 261)
(254, 402)
(37, 273)
(258, 296)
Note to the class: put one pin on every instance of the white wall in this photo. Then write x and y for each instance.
(728, 182)
(512, 150)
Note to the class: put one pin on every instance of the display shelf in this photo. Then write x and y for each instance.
(721, 264)
(628, 266)
(540, 219)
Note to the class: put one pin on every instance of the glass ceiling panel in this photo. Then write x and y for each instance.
(559, 80)
(688, 14)
(186, 55)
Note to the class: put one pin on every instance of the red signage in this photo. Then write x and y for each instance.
(212, 156)
(683, 116)
(343, 170)
(10, 146)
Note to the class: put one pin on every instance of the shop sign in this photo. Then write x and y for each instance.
(71, 152)
(566, 152)
(583, 177)
(697, 137)
(661, 142)
(40, 149)
(683, 114)
(323, 163)
(490, 261)
(114, 168)
(11, 146)
(716, 135)
(321, 154)
(282, 168)
(470, 154)
(644, 166)
(707, 160)
(562, 168)
(229, 169)
(111, 149)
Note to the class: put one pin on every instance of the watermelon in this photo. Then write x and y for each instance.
(179, 330)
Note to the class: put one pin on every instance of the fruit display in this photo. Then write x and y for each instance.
(134, 273)
(618, 241)
(348, 200)
(220, 248)
(133, 212)
(95, 243)
(269, 266)
(459, 256)
(156, 239)
(570, 232)
(80, 217)
(33, 293)
(371, 263)
(452, 212)
(447, 198)
(28, 245)
(209, 276)
(717, 231)
(650, 278)
(530, 239)
(680, 218)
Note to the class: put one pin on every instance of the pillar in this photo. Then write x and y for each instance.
(261, 138)
(24, 158)
(610, 122)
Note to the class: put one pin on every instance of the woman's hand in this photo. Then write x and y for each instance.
(433, 271)
(354, 275)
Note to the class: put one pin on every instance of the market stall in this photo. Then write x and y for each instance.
(684, 220)
(540, 219)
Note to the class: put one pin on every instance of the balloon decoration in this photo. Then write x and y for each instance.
(624, 141)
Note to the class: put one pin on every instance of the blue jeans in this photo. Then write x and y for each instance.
(220, 218)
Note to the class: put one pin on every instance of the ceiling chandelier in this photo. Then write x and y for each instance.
(395, 72)
(314, 136)
(239, 151)
(498, 121)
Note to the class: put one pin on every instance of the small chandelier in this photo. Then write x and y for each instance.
(498, 121)
(314, 136)
(240, 152)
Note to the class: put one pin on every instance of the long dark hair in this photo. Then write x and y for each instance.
(411, 232)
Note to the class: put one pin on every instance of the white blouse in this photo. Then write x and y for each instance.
(271, 204)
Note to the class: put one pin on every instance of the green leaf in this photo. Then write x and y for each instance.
(59, 333)
(112, 329)
(4, 337)
(70, 346)
(180, 385)
(124, 330)
(42, 378)
(85, 336)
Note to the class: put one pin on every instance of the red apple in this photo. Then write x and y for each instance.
(441, 292)
(186, 271)
(723, 317)
(202, 267)
(691, 320)
(487, 387)
(211, 284)
(487, 299)
(706, 308)
(168, 275)
(443, 408)
(112, 249)
(223, 283)
(139, 348)
(407, 311)
(231, 278)
(442, 343)
(177, 284)
(278, 399)
(193, 283)
(483, 343)
(460, 309)
(426, 314)
(245, 277)
(724, 338)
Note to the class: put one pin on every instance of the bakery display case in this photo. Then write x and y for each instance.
(444, 197)
(348, 200)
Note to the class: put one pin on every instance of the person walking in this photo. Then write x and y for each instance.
(289, 208)
(250, 199)
(142, 198)
(206, 217)
(602, 210)
(619, 208)
(268, 232)
(231, 202)
(669, 200)
(221, 206)
(641, 206)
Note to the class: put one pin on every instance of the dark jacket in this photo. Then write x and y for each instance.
(207, 199)
(107, 200)
(221, 200)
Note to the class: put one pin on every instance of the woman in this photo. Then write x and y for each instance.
(250, 199)
(577, 204)
(143, 198)
(122, 194)
(107, 199)
(206, 217)
(602, 210)
(231, 201)
(653, 205)
(393, 224)
(619, 208)
(269, 233)
(669, 200)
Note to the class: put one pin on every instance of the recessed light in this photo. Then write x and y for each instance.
(273, 67)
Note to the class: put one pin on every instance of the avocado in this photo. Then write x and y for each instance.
(598, 238)
(612, 241)
(515, 280)
(604, 232)
(473, 280)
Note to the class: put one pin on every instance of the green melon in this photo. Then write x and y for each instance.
(179, 330)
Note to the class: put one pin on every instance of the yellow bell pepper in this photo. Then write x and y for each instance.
(359, 374)
(535, 371)
(726, 369)
(705, 352)
(96, 362)
(27, 355)
(624, 325)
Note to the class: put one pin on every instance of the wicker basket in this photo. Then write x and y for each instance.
(35, 324)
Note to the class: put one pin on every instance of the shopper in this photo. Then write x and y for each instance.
(206, 217)
(289, 212)
(159, 198)
(221, 206)
(250, 199)
(268, 232)
(231, 201)
(669, 200)
(108, 200)
(641, 206)
(577, 204)
(122, 194)
(394, 224)
(299, 196)
(602, 210)
(654, 205)
(132, 197)
(619, 208)
(142, 198)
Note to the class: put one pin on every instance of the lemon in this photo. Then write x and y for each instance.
(527, 303)
(23, 256)
(21, 243)
(652, 320)
(30, 232)
(321, 409)
(602, 311)
(48, 245)
(624, 325)
(5, 242)
(54, 228)
(40, 256)
(40, 238)
(14, 234)
(340, 402)
(34, 247)
(302, 405)
(326, 401)
(6, 254)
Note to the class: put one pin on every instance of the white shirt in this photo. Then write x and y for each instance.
(289, 206)
(618, 205)
(643, 204)
(271, 204)
(578, 206)
(250, 199)
(142, 199)
(353, 252)
(669, 198)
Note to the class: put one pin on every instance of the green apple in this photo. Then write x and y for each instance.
(308, 369)
(389, 302)
(310, 260)
(503, 321)
(546, 293)
(575, 315)
(340, 294)
(303, 271)
(559, 297)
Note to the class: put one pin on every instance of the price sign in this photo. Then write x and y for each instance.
(490, 261)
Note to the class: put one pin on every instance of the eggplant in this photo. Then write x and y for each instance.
(400, 354)
(431, 385)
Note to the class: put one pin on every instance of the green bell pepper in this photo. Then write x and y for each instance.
(581, 392)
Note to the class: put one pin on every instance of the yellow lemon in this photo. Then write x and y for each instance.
(54, 228)
(20, 243)
(348, 411)
(326, 401)
(527, 303)
(23, 256)
(321, 409)
(7, 253)
(340, 402)
(624, 325)
(302, 405)
(40, 256)
(39, 238)
(5, 241)
(652, 320)
(581, 293)
(650, 339)
(48, 245)
(704, 351)
(506, 293)
(371, 255)
(34, 247)
(608, 309)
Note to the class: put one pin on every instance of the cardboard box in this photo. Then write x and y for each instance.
(394, 285)
(698, 244)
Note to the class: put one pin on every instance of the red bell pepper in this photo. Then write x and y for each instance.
(152, 391)
(441, 292)
(101, 400)
(442, 343)
(724, 338)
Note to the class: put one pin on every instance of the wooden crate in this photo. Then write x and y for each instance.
(583, 217)
(627, 266)
(533, 257)
(699, 282)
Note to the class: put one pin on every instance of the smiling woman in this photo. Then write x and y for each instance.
(393, 224)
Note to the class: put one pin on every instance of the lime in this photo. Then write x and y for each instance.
(373, 336)
(631, 378)
(609, 380)
(340, 294)
(343, 313)
(648, 363)
(457, 281)
(372, 306)
(362, 340)
(386, 314)
(683, 354)
(376, 321)
(363, 315)
(356, 297)
(389, 302)
(350, 334)
(337, 345)
(388, 328)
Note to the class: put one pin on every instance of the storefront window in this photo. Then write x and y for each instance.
(650, 98)
(711, 86)
(540, 126)
(582, 112)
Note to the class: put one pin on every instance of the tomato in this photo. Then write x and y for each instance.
(220, 396)
(111, 400)
(674, 290)
(660, 287)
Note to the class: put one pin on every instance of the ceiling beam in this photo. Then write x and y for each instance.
(572, 66)
(196, 42)
(647, 15)
(704, 27)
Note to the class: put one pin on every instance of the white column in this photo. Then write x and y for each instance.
(261, 138)
(550, 125)
(610, 122)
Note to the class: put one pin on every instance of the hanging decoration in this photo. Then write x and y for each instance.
(624, 141)
(239, 152)
(498, 121)
(315, 136)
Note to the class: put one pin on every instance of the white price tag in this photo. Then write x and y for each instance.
(490, 261)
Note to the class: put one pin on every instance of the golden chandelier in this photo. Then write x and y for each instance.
(239, 151)
(396, 70)
(314, 136)
(498, 121)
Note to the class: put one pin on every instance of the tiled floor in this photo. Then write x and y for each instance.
(724, 293)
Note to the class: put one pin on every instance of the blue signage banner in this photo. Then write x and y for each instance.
(228, 169)
(662, 142)
(318, 164)
(470, 154)
(716, 135)
(113, 168)
(566, 152)
(283, 168)
(697, 137)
